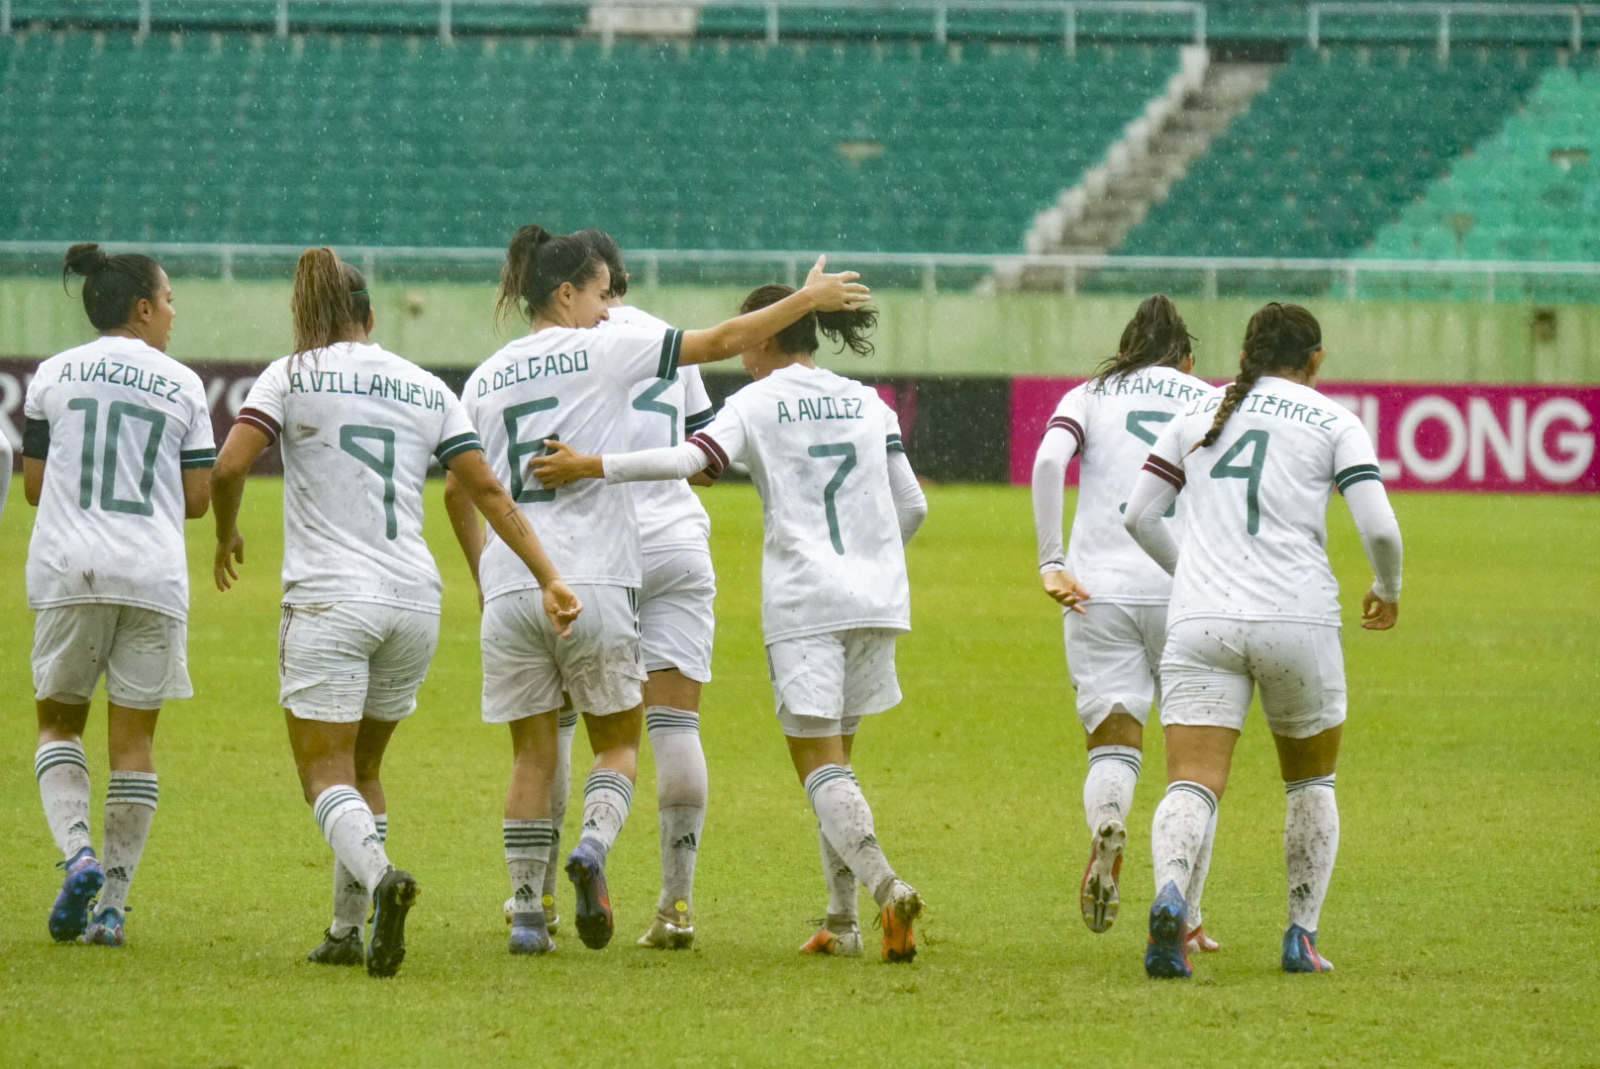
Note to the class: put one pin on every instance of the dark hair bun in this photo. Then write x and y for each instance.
(86, 258)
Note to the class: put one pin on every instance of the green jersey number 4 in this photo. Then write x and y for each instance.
(847, 462)
(1226, 468)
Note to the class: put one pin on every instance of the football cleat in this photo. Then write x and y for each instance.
(69, 913)
(1097, 894)
(1300, 952)
(896, 917)
(1166, 956)
(391, 901)
(586, 868)
(1199, 942)
(343, 949)
(106, 929)
(839, 936)
(529, 935)
(672, 929)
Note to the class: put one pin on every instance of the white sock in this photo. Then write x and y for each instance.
(350, 899)
(347, 825)
(130, 806)
(1108, 786)
(560, 788)
(1310, 844)
(846, 821)
(680, 799)
(63, 775)
(836, 875)
(607, 794)
(1177, 832)
(527, 857)
(1202, 865)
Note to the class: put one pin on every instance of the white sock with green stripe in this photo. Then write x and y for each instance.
(1202, 866)
(63, 775)
(347, 825)
(350, 898)
(1108, 786)
(527, 857)
(607, 794)
(680, 799)
(560, 788)
(840, 881)
(1310, 845)
(130, 807)
(1178, 830)
(846, 821)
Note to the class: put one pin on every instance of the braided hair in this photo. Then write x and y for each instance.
(1156, 335)
(1280, 337)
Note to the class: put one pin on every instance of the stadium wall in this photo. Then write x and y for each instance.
(920, 334)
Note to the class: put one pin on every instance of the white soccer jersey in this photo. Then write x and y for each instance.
(1257, 501)
(358, 425)
(817, 445)
(1114, 424)
(573, 385)
(664, 413)
(116, 422)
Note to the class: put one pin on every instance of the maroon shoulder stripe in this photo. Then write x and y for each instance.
(1166, 469)
(260, 421)
(707, 445)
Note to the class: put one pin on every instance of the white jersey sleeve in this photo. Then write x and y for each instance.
(116, 423)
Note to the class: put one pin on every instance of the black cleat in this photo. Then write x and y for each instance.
(345, 949)
(392, 900)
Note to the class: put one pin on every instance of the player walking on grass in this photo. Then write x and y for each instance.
(1255, 604)
(839, 501)
(357, 426)
(1113, 596)
(573, 380)
(116, 447)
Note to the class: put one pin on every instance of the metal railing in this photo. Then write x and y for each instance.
(1349, 279)
(1444, 12)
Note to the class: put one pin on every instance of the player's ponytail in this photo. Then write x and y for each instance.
(1156, 335)
(537, 263)
(849, 329)
(1279, 337)
(112, 285)
(330, 302)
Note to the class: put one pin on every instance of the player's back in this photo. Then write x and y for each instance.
(817, 444)
(358, 426)
(122, 421)
(1257, 502)
(569, 384)
(1116, 420)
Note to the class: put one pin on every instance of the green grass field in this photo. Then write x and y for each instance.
(1464, 916)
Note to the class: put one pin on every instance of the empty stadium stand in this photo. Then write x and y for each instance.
(392, 139)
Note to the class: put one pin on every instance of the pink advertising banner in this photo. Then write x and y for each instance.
(1501, 437)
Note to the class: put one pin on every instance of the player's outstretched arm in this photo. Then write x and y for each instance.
(563, 465)
(1151, 497)
(822, 292)
(245, 443)
(1380, 537)
(478, 483)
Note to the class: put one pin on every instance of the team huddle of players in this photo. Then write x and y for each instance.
(597, 596)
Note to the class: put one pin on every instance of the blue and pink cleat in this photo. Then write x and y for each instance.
(586, 868)
(1300, 952)
(69, 914)
(1166, 956)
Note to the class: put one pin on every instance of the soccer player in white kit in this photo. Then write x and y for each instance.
(1113, 596)
(117, 448)
(839, 501)
(572, 378)
(1255, 604)
(358, 426)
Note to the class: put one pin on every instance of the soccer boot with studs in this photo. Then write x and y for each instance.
(1097, 894)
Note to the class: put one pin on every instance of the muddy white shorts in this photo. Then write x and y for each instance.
(527, 666)
(1211, 665)
(1113, 654)
(675, 618)
(141, 653)
(823, 682)
(342, 661)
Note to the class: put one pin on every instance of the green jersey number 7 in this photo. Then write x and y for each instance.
(847, 462)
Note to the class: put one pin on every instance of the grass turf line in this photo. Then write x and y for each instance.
(1462, 915)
